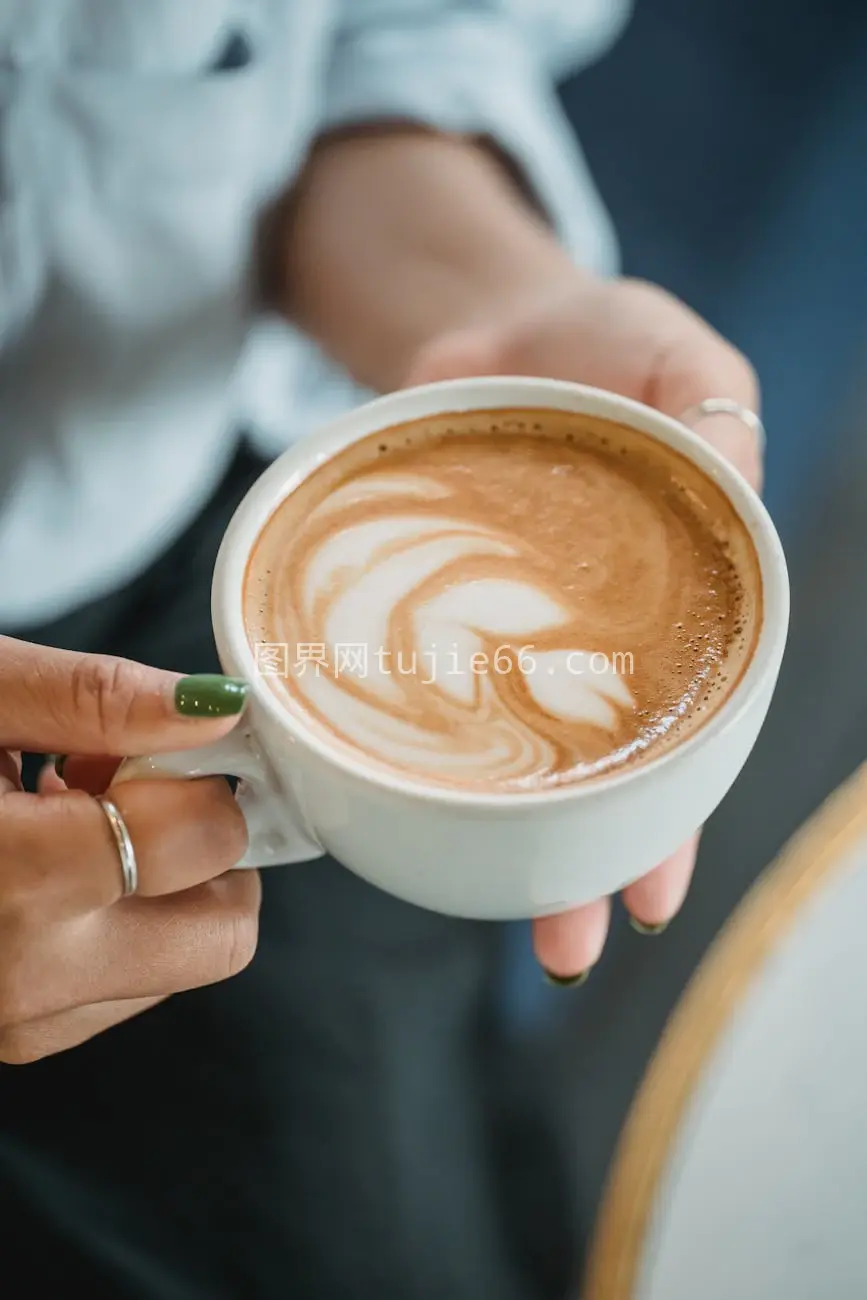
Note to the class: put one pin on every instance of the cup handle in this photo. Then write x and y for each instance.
(275, 827)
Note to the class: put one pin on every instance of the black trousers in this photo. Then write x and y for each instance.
(341, 1122)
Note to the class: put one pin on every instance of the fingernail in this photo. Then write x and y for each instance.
(210, 695)
(567, 981)
(59, 761)
(641, 927)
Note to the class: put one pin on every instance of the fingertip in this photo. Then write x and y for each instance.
(655, 900)
(569, 944)
(210, 695)
(49, 780)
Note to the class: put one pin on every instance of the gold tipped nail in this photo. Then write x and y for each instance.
(643, 927)
(567, 981)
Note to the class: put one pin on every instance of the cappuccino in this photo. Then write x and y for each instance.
(504, 600)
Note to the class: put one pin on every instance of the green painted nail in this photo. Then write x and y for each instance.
(641, 928)
(568, 981)
(209, 695)
(59, 761)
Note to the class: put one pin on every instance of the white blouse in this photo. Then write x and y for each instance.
(138, 141)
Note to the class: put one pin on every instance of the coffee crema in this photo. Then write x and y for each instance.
(504, 600)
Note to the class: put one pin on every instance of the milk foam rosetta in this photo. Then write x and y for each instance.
(505, 600)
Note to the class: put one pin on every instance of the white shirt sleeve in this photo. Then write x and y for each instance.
(476, 67)
(567, 35)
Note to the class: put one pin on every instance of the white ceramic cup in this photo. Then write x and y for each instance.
(465, 853)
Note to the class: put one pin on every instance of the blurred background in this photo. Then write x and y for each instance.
(729, 141)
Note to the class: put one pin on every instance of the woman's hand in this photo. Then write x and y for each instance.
(631, 338)
(75, 956)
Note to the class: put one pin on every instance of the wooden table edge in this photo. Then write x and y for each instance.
(763, 918)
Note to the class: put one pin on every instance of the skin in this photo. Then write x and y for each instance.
(74, 957)
(410, 257)
(446, 270)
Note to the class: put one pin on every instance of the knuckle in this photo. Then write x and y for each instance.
(104, 690)
(637, 285)
(749, 376)
(20, 897)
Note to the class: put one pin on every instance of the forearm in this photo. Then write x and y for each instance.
(393, 238)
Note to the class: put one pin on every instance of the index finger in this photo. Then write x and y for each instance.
(57, 701)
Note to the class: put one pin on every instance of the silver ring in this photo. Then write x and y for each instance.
(126, 852)
(726, 406)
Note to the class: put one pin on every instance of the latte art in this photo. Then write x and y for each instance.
(422, 617)
(503, 600)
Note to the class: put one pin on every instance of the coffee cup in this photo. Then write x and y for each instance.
(488, 854)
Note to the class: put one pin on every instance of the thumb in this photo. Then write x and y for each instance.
(459, 355)
(58, 701)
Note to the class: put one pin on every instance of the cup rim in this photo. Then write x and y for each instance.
(285, 474)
